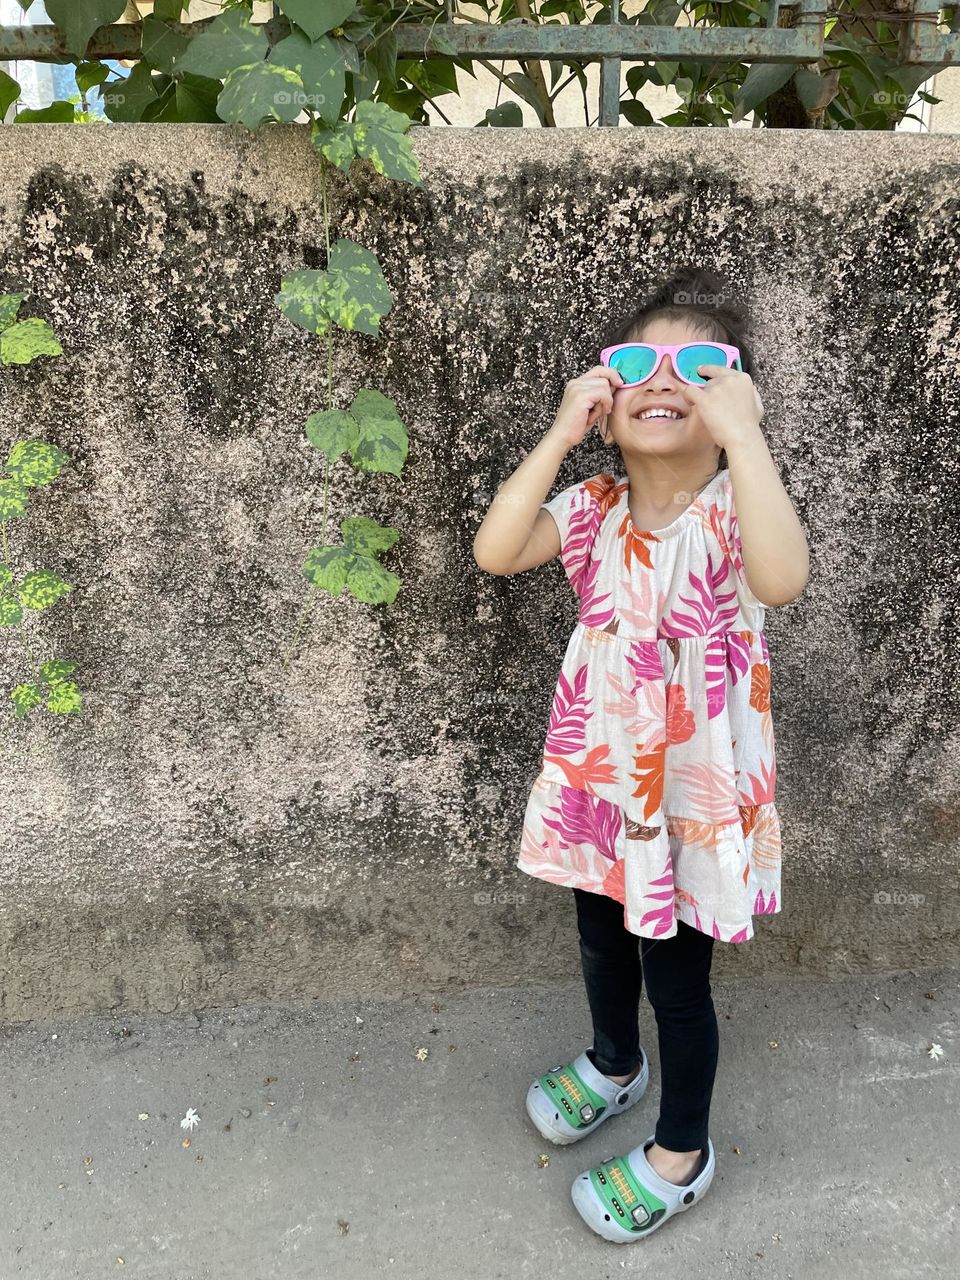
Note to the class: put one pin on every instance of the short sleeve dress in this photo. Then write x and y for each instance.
(656, 786)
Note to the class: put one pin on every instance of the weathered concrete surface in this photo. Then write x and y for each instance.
(326, 1147)
(213, 832)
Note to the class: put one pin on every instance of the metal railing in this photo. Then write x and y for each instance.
(610, 44)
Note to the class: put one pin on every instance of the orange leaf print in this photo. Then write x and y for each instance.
(614, 885)
(591, 770)
(634, 544)
(760, 686)
(650, 778)
(680, 722)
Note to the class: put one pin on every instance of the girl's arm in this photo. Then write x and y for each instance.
(776, 558)
(515, 534)
(510, 539)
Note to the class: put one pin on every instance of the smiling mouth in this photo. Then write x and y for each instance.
(657, 417)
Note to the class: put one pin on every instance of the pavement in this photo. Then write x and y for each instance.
(389, 1139)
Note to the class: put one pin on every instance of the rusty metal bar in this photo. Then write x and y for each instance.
(921, 42)
(610, 78)
(588, 43)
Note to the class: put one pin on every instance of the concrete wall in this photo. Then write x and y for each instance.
(211, 831)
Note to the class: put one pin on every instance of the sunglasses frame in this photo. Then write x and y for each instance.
(671, 349)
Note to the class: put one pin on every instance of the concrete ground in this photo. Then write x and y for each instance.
(368, 1139)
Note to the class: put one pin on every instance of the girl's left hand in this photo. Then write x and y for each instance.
(728, 406)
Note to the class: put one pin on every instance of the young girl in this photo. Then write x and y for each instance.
(655, 799)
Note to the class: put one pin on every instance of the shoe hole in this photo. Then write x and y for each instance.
(606, 1217)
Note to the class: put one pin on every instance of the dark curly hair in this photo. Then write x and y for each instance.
(701, 298)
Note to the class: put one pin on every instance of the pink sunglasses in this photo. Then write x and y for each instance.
(637, 361)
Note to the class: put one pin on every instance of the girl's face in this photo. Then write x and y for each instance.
(663, 389)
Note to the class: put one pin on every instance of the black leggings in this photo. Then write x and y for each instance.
(677, 974)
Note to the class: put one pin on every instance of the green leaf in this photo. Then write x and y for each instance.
(124, 101)
(41, 588)
(336, 143)
(9, 306)
(56, 670)
(524, 88)
(25, 698)
(259, 92)
(331, 568)
(196, 99)
(64, 697)
(333, 432)
(89, 74)
(302, 299)
(763, 79)
(9, 93)
(56, 113)
(382, 54)
(316, 17)
(348, 52)
(364, 537)
(351, 292)
(371, 583)
(11, 611)
(35, 462)
(320, 68)
(228, 42)
(811, 88)
(170, 10)
(26, 340)
(161, 46)
(6, 576)
(358, 297)
(364, 82)
(328, 568)
(383, 440)
(14, 498)
(79, 19)
(635, 113)
(378, 136)
(507, 115)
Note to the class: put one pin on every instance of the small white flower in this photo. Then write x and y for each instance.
(935, 1051)
(190, 1120)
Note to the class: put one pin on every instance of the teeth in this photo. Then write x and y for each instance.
(659, 413)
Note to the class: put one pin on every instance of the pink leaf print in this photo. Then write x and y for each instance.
(585, 520)
(643, 658)
(739, 937)
(592, 611)
(715, 662)
(587, 819)
(566, 732)
(764, 907)
(708, 615)
(662, 915)
(739, 645)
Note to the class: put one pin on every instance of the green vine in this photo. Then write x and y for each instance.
(31, 463)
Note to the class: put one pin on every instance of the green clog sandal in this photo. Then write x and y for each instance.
(567, 1103)
(624, 1198)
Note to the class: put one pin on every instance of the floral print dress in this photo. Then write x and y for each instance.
(656, 786)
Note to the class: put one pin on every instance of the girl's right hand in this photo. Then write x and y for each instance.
(585, 401)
